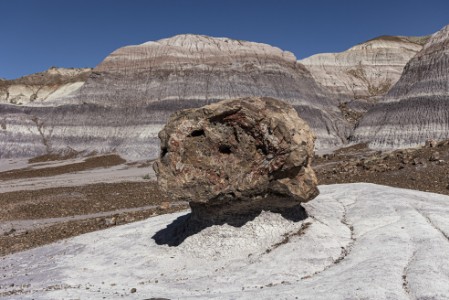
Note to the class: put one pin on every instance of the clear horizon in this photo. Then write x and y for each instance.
(45, 33)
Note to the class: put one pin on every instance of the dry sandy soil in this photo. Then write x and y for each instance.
(45, 200)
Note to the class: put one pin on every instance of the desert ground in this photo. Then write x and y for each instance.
(47, 199)
(70, 214)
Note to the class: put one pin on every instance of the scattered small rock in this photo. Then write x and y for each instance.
(129, 219)
(165, 205)
(435, 156)
(417, 161)
(430, 144)
(110, 221)
(9, 232)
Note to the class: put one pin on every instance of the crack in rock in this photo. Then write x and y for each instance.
(301, 231)
(405, 283)
(431, 223)
(345, 251)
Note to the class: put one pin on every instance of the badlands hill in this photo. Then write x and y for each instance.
(359, 76)
(51, 84)
(125, 101)
(366, 70)
(416, 108)
(129, 96)
(193, 70)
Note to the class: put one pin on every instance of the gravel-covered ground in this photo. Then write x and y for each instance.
(61, 202)
(423, 168)
(31, 218)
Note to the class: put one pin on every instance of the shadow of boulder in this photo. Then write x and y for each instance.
(201, 218)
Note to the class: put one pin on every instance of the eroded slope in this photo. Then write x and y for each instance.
(130, 95)
(49, 85)
(358, 76)
(416, 108)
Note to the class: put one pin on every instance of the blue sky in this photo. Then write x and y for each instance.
(37, 34)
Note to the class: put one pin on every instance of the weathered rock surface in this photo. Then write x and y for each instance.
(416, 108)
(44, 86)
(361, 241)
(161, 77)
(237, 156)
(360, 75)
(366, 70)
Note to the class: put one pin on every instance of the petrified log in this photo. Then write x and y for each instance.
(237, 157)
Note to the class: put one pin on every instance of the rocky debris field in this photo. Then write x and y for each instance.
(423, 168)
(40, 215)
(334, 243)
(31, 218)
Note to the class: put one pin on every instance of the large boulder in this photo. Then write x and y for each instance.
(236, 157)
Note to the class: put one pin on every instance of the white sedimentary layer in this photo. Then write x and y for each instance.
(64, 90)
(417, 107)
(26, 94)
(360, 241)
(34, 89)
(364, 71)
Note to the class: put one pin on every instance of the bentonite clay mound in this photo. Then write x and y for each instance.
(237, 156)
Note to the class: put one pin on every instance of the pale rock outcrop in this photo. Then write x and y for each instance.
(366, 70)
(236, 157)
(417, 107)
(360, 75)
(131, 94)
(44, 86)
(360, 241)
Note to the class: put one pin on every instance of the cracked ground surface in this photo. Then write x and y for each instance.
(361, 241)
